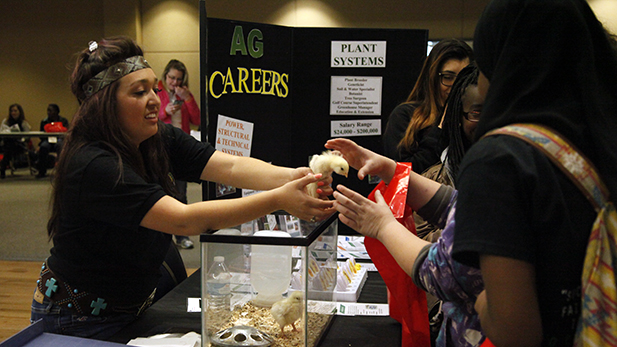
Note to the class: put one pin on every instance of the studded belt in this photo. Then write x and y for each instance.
(64, 295)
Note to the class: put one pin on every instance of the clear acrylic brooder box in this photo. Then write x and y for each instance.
(279, 268)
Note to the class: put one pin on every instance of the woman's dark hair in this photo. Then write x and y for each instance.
(22, 117)
(453, 132)
(425, 92)
(178, 65)
(96, 120)
(551, 62)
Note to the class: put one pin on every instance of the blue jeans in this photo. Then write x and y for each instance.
(59, 320)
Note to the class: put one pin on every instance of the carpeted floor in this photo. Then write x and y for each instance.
(24, 211)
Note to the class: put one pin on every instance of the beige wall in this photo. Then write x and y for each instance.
(171, 31)
(606, 11)
(38, 39)
(37, 42)
(443, 18)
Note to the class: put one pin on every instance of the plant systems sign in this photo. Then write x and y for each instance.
(358, 54)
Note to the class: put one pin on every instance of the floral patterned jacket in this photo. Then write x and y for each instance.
(456, 284)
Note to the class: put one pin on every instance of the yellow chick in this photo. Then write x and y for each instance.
(288, 310)
(326, 163)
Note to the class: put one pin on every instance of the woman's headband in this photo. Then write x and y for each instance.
(113, 73)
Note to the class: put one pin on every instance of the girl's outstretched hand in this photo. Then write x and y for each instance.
(365, 161)
(361, 214)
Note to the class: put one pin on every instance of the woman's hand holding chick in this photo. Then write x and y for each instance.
(295, 200)
(324, 183)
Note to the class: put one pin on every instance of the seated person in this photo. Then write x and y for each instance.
(46, 146)
(16, 121)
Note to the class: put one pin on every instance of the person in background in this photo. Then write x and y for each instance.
(16, 121)
(463, 111)
(459, 123)
(412, 132)
(179, 108)
(48, 145)
(520, 219)
(461, 120)
(113, 211)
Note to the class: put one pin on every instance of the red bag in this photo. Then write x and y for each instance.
(487, 343)
(54, 127)
(406, 301)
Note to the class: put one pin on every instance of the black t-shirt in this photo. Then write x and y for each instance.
(427, 148)
(100, 247)
(514, 202)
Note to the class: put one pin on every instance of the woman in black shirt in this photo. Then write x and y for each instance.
(114, 189)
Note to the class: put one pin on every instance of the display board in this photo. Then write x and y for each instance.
(279, 93)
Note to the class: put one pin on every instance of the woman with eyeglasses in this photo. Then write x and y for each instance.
(178, 107)
(412, 134)
(459, 122)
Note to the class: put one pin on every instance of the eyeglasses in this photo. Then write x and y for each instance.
(447, 79)
(472, 116)
(174, 78)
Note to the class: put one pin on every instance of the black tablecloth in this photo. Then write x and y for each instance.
(169, 315)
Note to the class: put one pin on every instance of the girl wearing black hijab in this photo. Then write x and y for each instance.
(519, 218)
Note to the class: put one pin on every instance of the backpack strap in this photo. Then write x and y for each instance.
(573, 163)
